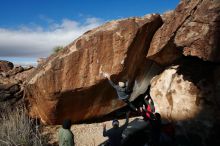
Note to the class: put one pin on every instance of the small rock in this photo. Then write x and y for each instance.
(16, 70)
(4, 74)
(5, 66)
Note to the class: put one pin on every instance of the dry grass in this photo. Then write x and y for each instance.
(17, 129)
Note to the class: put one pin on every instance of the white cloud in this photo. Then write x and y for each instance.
(38, 42)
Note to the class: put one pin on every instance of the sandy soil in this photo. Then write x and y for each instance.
(85, 134)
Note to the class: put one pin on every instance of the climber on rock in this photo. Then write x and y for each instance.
(122, 90)
(146, 106)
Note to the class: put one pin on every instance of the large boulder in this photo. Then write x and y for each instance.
(188, 94)
(193, 29)
(70, 83)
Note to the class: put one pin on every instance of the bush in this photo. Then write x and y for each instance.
(16, 128)
(57, 49)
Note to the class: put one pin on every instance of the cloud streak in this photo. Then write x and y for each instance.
(37, 42)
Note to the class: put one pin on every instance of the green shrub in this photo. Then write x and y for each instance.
(57, 49)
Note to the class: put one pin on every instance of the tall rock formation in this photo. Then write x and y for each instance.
(187, 94)
(193, 29)
(70, 83)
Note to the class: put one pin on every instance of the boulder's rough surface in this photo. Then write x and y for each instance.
(5, 66)
(70, 83)
(187, 93)
(11, 83)
(41, 60)
(193, 29)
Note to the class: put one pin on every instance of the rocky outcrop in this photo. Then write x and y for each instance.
(70, 83)
(192, 30)
(5, 66)
(187, 94)
(41, 61)
(125, 49)
(11, 83)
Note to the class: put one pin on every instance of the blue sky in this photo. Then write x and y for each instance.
(29, 29)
